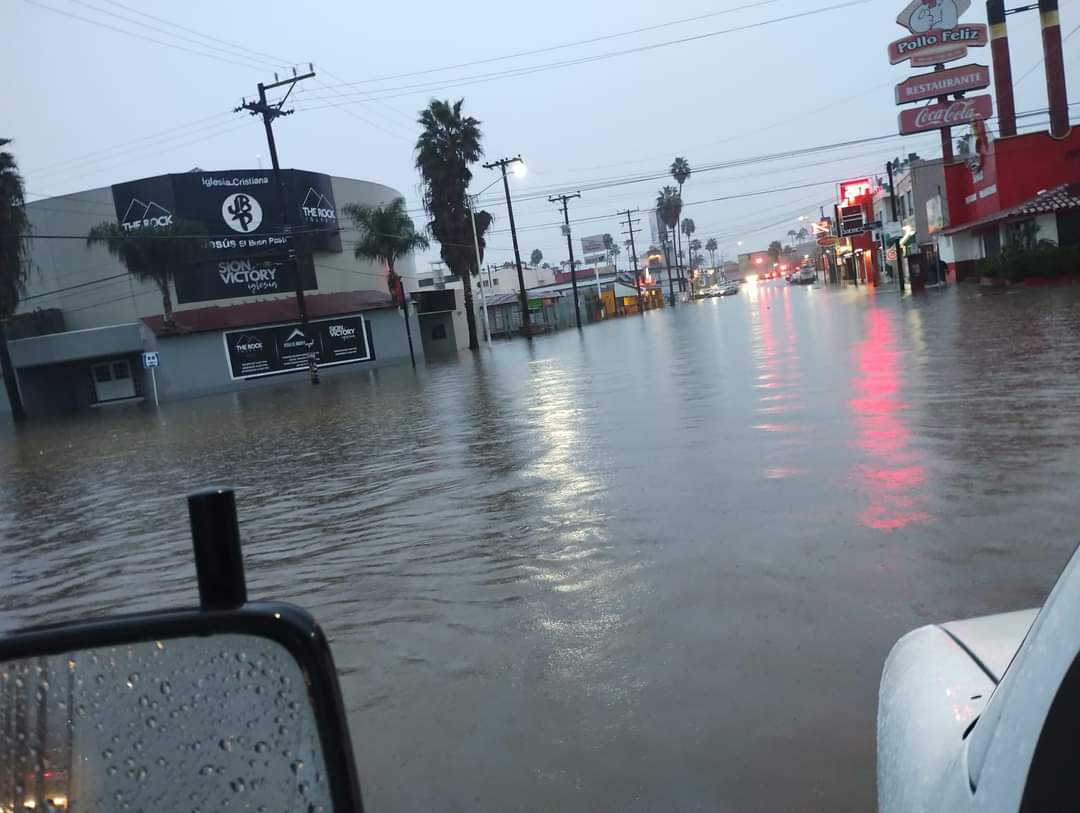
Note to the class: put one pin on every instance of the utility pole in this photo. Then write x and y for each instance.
(502, 163)
(630, 230)
(564, 199)
(270, 112)
(892, 208)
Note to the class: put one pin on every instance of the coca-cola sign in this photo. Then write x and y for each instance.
(940, 116)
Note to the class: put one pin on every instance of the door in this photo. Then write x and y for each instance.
(113, 380)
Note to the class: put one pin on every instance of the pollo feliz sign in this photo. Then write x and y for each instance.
(937, 35)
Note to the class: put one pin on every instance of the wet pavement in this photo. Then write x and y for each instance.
(654, 566)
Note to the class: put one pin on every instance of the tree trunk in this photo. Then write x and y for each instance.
(166, 303)
(11, 383)
(670, 284)
(470, 314)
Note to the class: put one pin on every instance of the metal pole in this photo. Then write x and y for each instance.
(892, 206)
(405, 312)
(501, 164)
(153, 381)
(476, 248)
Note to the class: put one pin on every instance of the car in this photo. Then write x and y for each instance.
(728, 288)
(981, 714)
(807, 275)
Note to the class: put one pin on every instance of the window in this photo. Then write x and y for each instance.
(102, 373)
(121, 371)
(910, 203)
(438, 332)
(425, 282)
(495, 282)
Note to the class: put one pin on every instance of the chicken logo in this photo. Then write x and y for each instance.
(922, 16)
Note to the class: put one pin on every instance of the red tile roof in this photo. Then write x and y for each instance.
(1059, 199)
(249, 314)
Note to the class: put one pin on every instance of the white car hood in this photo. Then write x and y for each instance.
(992, 640)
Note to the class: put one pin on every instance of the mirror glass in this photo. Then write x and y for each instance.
(221, 722)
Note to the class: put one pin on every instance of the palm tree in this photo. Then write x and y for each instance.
(688, 228)
(792, 235)
(680, 171)
(449, 143)
(803, 234)
(711, 247)
(669, 210)
(611, 247)
(387, 235)
(695, 252)
(536, 257)
(14, 265)
(153, 254)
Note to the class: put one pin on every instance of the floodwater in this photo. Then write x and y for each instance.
(654, 566)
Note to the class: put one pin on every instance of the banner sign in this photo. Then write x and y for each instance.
(238, 208)
(943, 83)
(850, 191)
(263, 351)
(950, 114)
(852, 220)
(593, 245)
(935, 47)
(243, 278)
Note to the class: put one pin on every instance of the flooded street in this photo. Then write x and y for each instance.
(654, 566)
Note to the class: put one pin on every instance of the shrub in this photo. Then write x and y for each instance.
(1045, 261)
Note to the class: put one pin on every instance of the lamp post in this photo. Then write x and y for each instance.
(502, 164)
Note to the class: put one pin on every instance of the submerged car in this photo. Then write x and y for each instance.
(984, 714)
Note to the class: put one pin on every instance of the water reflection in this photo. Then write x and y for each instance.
(892, 478)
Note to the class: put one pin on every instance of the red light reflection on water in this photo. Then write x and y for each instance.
(892, 476)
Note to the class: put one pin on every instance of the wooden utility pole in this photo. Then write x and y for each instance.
(564, 199)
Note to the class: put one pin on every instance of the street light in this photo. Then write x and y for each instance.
(475, 199)
(502, 164)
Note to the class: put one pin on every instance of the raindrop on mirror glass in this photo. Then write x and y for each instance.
(261, 747)
(165, 687)
(225, 744)
(206, 770)
(237, 785)
(107, 753)
(297, 766)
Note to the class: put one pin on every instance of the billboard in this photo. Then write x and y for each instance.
(593, 245)
(263, 351)
(241, 277)
(239, 209)
(849, 191)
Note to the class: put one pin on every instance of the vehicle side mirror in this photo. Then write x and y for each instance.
(229, 706)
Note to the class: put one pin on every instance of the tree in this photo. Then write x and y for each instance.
(688, 228)
(775, 250)
(387, 234)
(158, 255)
(792, 234)
(695, 252)
(611, 247)
(669, 210)
(536, 257)
(449, 143)
(14, 265)
(711, 247)
(803, 234)
(680, 171)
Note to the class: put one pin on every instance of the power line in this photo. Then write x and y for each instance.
(563, 46)
(142, 36)
(469, 80)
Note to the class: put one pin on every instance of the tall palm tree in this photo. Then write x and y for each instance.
(669, 210)
(688, 228)
(536, 257)
(449, 143)
(387, 234)
(14, 265)
(711, 246)
(611, 247)
(803, 234)
(153, 254)
(680, 171)
(695, 252)
(792, 235)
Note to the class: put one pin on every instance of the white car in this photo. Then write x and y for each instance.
(984, 715)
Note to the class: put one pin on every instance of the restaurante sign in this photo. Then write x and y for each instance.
(943, 83)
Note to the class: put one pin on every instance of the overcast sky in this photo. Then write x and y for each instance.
(128, 107)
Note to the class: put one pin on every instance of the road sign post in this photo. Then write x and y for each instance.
(151, 361)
